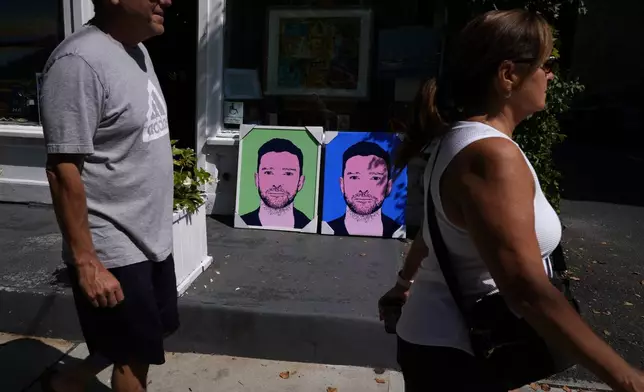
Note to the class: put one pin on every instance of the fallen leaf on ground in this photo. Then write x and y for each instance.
(628, 303)
(607, 333)
(363, 254)
(604, 243)
(545, 387)
(381, 381)
(642, 283)
(576, 279)
(331, 389)
(607, 313)
(534, 387)
(596, 311)
(285, 375)
(227, 256)
(566, 389)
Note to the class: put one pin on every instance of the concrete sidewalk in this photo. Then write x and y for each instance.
(24, 359)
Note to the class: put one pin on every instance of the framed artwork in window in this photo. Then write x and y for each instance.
(322, 52)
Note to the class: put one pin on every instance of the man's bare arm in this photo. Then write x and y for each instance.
(70, 204)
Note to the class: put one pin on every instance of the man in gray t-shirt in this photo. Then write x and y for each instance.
(110, 173)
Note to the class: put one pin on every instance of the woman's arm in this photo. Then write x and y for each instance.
(492, 190)
(417, 252)
(398, 294)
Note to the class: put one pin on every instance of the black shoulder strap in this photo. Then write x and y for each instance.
(440, 249)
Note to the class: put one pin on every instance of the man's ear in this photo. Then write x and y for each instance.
(390, 183)
(257, 180)
(300, 184)
(342, 185)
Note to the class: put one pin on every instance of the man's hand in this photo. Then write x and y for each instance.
(99, 285)
(70, 203)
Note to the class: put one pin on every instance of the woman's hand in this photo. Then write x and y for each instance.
(395, 297)
(636, 384)
(390, 307)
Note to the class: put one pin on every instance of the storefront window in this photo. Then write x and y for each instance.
(344, 65)
(29, 31)
(174, 55)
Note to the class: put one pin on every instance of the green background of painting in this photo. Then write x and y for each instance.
(248, 196)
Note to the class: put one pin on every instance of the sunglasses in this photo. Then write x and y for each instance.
(549, 66)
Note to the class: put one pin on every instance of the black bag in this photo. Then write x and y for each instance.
(507, 345)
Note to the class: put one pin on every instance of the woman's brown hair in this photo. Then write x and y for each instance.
(464, 88)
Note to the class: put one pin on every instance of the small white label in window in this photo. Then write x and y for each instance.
(233, 112)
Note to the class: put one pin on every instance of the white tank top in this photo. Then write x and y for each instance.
(431, 317)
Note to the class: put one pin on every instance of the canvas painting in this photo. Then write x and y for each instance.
(363, 195)
(278, 178)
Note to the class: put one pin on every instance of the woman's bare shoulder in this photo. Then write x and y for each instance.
(491, 156)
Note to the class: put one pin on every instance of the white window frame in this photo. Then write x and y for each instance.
(75, 14)
(210, 70)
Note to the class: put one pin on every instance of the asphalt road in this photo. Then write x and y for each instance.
(604, 247)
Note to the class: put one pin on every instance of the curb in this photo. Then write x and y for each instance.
(577, 384)
(238, 332)
(212, 329)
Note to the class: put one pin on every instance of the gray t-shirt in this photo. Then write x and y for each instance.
(103, 100)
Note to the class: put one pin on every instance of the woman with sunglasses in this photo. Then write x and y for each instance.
(497, 227)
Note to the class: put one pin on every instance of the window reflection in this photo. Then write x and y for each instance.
(29, 31)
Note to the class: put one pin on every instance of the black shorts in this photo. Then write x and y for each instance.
(134, 330)
(428, 368)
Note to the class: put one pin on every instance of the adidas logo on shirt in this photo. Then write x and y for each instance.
(156, 124)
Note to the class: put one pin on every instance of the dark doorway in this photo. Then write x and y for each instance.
(174, 55)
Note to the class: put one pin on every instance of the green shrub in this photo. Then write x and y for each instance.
(189, 180)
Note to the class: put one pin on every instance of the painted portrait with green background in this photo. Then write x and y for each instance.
(286, 177)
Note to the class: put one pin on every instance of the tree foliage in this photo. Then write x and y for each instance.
(550, 9)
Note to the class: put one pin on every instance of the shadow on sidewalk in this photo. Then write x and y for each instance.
(23, 361)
